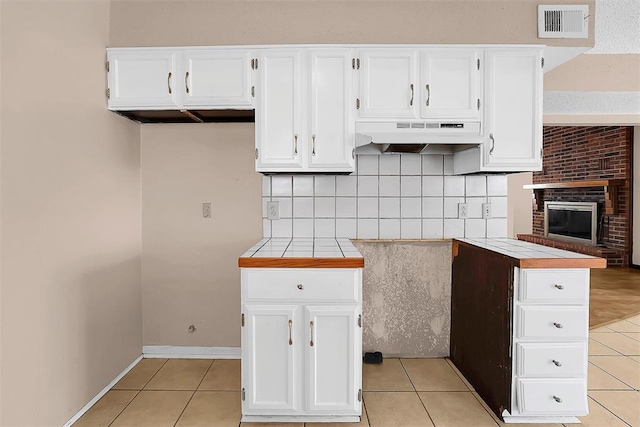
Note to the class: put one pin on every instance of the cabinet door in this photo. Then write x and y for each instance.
(450, 84)
(279, 139)
(268, 352)
(217, 78)
(514, 109)
(331, 120)
(388, 84)
(142, 79)
(333, 372)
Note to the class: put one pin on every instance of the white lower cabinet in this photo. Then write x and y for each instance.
(301, 345)
(550, 345)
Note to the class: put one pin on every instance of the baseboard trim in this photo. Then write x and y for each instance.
(102, 392)
(186, 352)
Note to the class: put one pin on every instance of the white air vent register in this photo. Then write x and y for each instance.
(563, 21)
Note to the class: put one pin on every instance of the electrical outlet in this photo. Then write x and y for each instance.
(273, 210)
(486, 210)
(206, 210)
(463, 210)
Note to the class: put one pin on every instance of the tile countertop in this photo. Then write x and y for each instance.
(531, 255)
(302, 253)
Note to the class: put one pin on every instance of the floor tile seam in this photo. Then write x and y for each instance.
(614, 376)
(213, 361)
(425, 409)
(154, 375)
(484, 406)
(625, 334)
(125, 407)
(608, 346)
(404, 369)
(608, 410)
(185, 407)
(364, 410)
(179, 389)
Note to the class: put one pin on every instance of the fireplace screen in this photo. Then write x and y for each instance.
(571, 221)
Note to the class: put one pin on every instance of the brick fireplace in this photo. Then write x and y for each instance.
(573, 154)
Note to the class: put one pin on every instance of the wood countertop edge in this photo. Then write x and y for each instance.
(301, 262)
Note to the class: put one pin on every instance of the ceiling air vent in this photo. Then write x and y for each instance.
(563, 21)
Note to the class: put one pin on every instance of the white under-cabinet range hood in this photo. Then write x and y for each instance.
(426, 137)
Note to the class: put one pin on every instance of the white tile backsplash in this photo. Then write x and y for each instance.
(367, 186)
(303, 186)
(410, 164)
(389, 186)
(408, 196)
(346, 207)
(411, 207)
(325, 185)
(410, 186)
(389, 207)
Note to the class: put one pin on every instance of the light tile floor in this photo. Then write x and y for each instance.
(400, 392)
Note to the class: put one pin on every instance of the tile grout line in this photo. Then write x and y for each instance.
(607, 409)
(483, 405)
(125, 407)
(416, 392)
(194, 392)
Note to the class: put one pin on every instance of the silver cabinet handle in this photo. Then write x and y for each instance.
(300, 286)
(493, 144)
(560, 287)
(313, 145)
(555, 362)
(295, 144)
(186, 81)
(428, 95)
(557, 325)
(557, 399)
(411, 101)
(169, 81)
(290, 331)
(353, 153)
(311, 327)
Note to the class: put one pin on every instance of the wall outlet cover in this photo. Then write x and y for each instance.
(463, 210)
(273, 210)
(486, 210)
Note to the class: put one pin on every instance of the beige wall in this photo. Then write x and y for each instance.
(228, 22)
(70, 214)
(596, 73)
(519, 214)
(190, 273)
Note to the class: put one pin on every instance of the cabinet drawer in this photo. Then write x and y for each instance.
(552, 323)
(308, 284)
(552, 397)
(551, 360)
(555, 286)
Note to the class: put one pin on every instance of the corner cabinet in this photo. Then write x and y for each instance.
(304, 118)
(301, 344)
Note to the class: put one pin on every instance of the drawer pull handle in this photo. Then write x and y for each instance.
(290, 330)
(557, 399)
(560, 287)
(300, 286)
(557, 325)
(555, 362)
(311, 327)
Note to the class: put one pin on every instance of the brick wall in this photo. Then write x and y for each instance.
(579, 153)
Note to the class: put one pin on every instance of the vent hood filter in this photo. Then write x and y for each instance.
(563, 21)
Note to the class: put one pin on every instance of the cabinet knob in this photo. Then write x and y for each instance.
(557, 325)
(300, 286)
(557, 399)
(555, 362)
(560, 287)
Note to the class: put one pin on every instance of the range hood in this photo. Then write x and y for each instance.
(426, 137)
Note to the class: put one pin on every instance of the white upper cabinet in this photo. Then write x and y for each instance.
(514, 109)
(217, 77)
(142, 78)
(279, 144)
(304, 120)
(388, 83)
(450, 84)
(171, 79)
(330, 103)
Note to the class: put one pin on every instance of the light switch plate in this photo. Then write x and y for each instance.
(486, 210)
(273, 210)
(206, 211)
